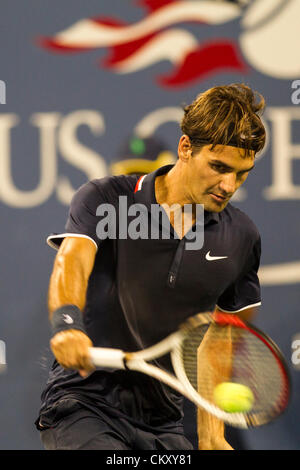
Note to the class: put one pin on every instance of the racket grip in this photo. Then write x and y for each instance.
(106, 357)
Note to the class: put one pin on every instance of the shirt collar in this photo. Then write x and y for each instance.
(211, 217)
(144, 193)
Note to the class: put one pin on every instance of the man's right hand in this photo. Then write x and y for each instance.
(71, 350)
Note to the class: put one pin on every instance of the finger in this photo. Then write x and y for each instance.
(84, 373)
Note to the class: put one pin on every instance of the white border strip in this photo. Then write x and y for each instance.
(64, 235)
(280, 274)
(240, 310)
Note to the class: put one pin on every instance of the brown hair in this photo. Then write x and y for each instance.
(226, 115)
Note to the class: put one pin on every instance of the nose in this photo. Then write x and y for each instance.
(228, 183)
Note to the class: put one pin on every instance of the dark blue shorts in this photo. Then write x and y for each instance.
(72, 426)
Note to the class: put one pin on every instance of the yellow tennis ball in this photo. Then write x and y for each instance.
(233, 397)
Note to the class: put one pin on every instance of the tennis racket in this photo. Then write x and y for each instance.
(209, 349)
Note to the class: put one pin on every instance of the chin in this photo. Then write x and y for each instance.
(215, 207)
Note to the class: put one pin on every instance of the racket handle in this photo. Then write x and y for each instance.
(106, 357)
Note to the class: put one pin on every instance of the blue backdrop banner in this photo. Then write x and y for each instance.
(76, 79)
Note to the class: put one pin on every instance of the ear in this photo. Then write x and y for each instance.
(184, 148)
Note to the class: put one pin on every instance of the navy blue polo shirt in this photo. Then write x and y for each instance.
(140, 290)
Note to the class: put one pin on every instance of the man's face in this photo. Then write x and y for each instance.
(212, 177)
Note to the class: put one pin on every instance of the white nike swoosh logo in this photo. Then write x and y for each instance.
(68, 319)
(214, 258)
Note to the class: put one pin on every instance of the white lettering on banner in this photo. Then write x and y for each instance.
(11, 195)
(88, 161)
(78, 155)
(57, 135)
(148, 124)
(283, 153)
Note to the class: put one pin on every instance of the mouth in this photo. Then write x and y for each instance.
(218, 197)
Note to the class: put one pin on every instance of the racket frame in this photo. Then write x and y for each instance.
(137, 361)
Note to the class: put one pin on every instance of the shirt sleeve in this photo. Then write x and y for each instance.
(245, 292)
(82, 217)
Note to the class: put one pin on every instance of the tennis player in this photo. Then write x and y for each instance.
(129, 293)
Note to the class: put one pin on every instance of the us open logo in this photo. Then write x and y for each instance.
(162, 35)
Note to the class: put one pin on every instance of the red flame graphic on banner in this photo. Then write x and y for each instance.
(132, 47)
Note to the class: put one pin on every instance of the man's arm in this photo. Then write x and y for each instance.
(214, 360)
(214, 364)
(248, 314)
(68, 285)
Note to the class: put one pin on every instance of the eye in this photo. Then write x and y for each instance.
(219, 168)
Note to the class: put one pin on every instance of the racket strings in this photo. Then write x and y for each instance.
(231, 354)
